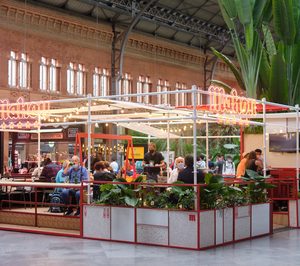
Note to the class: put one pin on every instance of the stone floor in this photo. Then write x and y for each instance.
(282, 248)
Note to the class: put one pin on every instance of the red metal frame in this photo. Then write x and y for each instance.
(128, 138)
(197, 212)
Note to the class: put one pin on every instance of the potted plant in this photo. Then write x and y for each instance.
(256, 190)
(111, 210)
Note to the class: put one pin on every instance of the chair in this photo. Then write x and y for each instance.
(47, 191)
(17, 190)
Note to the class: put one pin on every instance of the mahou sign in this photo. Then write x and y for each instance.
(223, 103)
(20, 114)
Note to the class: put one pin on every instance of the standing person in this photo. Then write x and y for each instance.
(153, 161)
(76, 174)
(228, 167)
(219, 164)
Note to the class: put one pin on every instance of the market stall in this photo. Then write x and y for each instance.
(226, 109)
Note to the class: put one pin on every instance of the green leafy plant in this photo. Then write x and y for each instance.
(174, 197)
(218, 195)
(257, 189)
(211, 194)
(120, 194)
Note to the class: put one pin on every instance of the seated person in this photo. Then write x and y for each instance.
(76, 174)
(127, 171)
(187, 174)
(201, 162)
(139, 167)
(101, 174)
(62, 175)
(49, 171)
(252, 163)
(241, 168)
(164, 169)
(178, 167)
(114, 165)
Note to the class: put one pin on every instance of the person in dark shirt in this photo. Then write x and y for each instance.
(101, 174)
(187, 174)
(153, 161)
(49, 171)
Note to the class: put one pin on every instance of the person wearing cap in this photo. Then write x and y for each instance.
(241, 168)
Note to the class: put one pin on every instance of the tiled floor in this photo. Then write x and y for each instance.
(282, 248)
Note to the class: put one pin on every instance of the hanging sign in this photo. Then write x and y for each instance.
(223, 103)
(230, 104)
(20, 114)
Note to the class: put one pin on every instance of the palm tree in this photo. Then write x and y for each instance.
(269, 62)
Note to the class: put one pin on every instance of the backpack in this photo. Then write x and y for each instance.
(55, 198)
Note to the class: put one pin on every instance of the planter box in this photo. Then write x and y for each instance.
(105, 222)
(183, 229)
(224, 226)
(96, 221)
(152, 226)
(294, 213)
(122, 224)
(260, 219)
(207, 228)
(242, 222)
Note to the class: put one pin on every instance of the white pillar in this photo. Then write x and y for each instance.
(207, 143)
(168, 148)
(264, 137)
(39, 145)
(89, 146)
(297, 145)
(194, 93)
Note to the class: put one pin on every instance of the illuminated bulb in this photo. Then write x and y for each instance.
(122, 111)
(96, 125)
(191, 126)
(106, 125)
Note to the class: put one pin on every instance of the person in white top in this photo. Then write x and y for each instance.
(114, 165)
(228, 167)
(178, 166)
(201, 162)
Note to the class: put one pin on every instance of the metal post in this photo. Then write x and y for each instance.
(297, 145)
(194, 94)
(207, 143)
(264, 137)
(39, 145)
(168, 148)
(89, 146)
